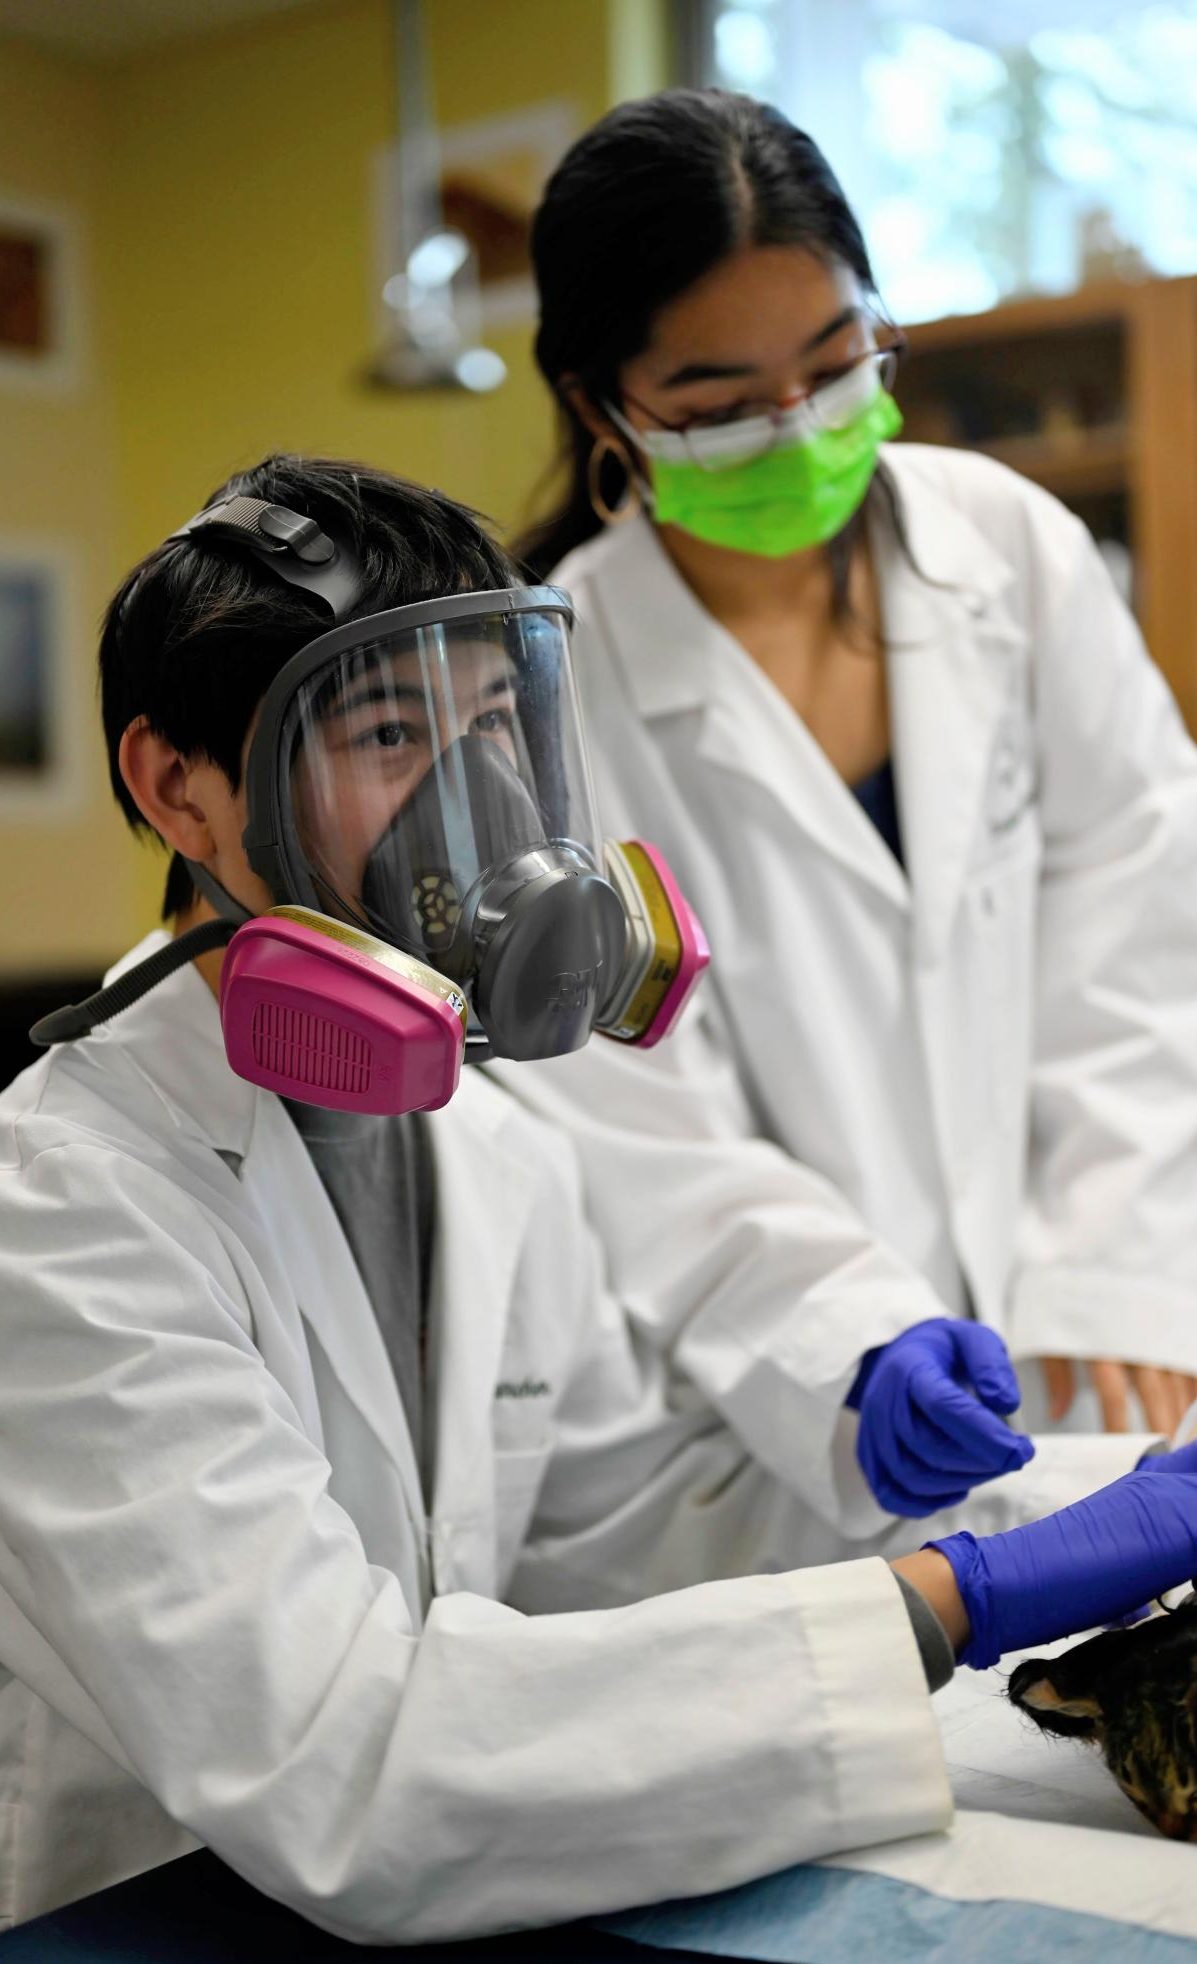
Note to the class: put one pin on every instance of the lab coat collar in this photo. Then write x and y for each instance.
(172, 1038)
(678, 644)
(483, 1200)
(678, 658)
(948, 647)
(280, 1179)
(942, 627)
(665, 630)
(486, 1190)
(948, 548)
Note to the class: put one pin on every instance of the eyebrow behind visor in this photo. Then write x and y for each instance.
(735, 371)
(389, 693)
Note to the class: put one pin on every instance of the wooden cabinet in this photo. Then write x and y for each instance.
(1094, 396)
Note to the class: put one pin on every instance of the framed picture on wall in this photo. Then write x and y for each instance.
(492, 173)
(39, 719)
(40, 328)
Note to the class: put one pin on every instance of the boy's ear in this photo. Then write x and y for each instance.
(167, 790)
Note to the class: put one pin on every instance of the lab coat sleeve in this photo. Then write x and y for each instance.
(200, 1603)
(1108, 1258)
(648, 1491)
(749, 1272)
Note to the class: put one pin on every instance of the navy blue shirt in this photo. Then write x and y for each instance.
(878, 798)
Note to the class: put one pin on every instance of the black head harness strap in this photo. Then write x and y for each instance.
(79, 1019)
(297, 551)
(293, 547)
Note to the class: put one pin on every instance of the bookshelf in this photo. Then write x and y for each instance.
(1094, 396)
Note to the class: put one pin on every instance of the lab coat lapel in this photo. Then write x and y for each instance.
(484, 1198)
(279, 1176)
(948, 662)
(750, 731)
(742, 726)
(178, 1026)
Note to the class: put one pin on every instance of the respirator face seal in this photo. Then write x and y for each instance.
(420, 775)
(420, 810)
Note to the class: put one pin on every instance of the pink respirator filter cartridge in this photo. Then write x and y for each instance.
(325, 1014)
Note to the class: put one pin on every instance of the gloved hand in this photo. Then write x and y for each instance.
(1089, 1564)
(925, 1441)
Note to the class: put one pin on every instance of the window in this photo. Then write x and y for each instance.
(988, 151)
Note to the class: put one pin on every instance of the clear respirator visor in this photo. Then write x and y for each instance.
(419, 807)
(416, 766)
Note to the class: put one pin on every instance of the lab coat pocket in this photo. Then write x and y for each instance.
(519, 1472)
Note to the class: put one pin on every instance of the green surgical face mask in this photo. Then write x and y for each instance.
(723, 485)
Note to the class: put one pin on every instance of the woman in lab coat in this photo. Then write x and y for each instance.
(884, 712)
(236, 1606)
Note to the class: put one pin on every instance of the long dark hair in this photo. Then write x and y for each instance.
(643, 205)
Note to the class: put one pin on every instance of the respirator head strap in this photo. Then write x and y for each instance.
(79, 1019)
(217, 895)
(292, 546)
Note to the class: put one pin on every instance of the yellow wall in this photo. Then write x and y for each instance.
(67, 878)
(228, 187)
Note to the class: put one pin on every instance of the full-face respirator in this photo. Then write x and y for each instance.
(419, 807)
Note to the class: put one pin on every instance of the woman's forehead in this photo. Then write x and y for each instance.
(755, 308)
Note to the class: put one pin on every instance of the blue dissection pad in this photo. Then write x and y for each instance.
(814, 1915)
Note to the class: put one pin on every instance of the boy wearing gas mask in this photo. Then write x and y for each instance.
(302, 1391)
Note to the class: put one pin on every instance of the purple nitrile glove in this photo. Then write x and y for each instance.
(1087, 1565)
(929, 1425)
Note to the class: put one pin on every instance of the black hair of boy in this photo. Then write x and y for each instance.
(196, 633)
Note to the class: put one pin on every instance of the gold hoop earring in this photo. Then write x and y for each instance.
(629, 504)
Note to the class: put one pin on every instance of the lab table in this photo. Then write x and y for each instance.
(1045, 1859)
(196, 1911)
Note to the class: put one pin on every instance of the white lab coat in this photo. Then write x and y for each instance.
(990, 1061)
(226, 1614)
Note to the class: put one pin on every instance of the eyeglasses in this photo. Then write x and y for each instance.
(752, 429)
